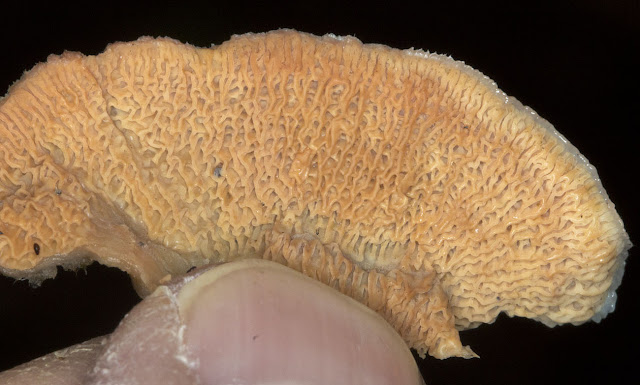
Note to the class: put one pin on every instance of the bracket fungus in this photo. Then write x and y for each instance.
(403, 179)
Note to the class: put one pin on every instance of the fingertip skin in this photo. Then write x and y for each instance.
(147, 347)
(68, 366)
(262, 323)
(252, 322)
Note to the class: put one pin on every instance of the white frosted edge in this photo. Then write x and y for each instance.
(609, 304)
(48, 268)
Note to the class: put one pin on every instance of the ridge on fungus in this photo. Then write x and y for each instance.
(404, 179)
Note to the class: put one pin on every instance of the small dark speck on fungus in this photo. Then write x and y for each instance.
(217, 172)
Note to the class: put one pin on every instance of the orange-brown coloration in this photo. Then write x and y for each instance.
(403, 179)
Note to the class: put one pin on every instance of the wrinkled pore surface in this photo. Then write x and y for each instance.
(403, 179)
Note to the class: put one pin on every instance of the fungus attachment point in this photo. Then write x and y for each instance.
(403, 179)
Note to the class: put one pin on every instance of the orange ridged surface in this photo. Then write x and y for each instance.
(404, 179)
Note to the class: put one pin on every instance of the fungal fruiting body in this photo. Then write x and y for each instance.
(403, 179)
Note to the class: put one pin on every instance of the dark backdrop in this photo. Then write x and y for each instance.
(573, 62)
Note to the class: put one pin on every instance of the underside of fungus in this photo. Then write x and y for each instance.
(404, 179)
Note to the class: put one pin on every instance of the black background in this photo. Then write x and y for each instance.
(575, 63)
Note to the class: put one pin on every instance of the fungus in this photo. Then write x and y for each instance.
(403, 179)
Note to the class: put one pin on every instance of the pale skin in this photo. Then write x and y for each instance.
(249, 321)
